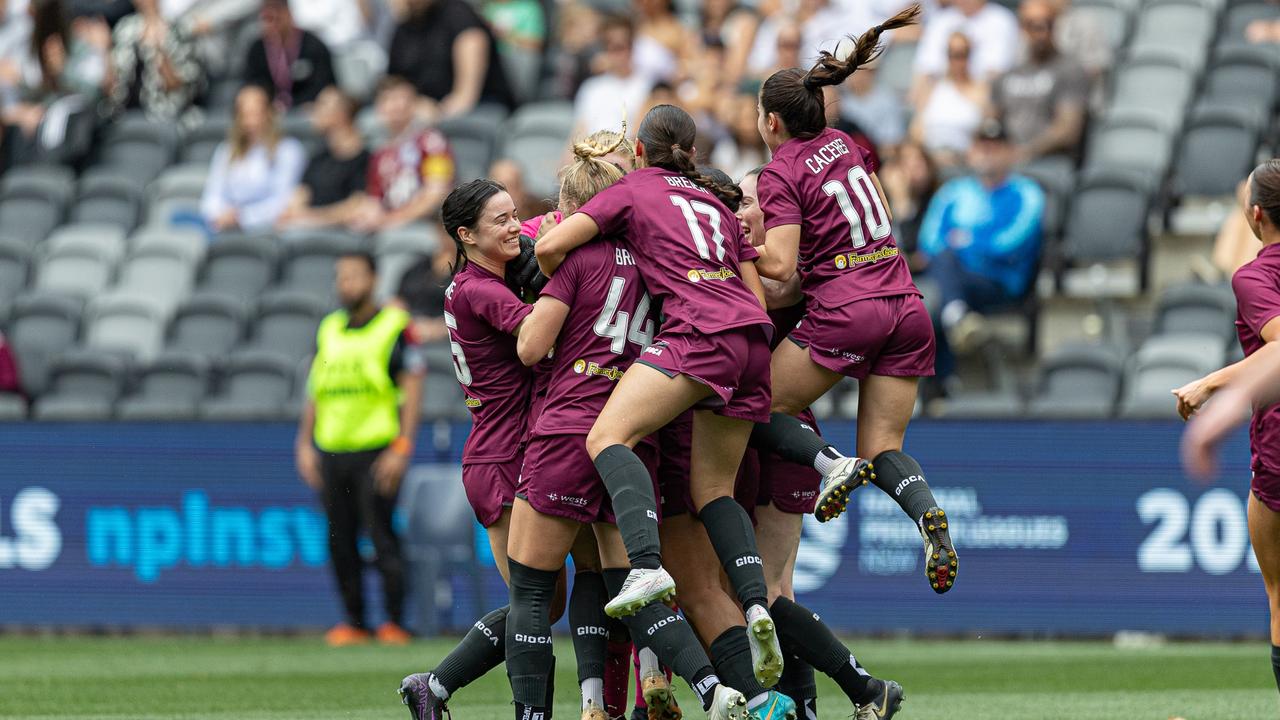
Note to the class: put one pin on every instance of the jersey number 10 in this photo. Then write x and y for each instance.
(872, 216)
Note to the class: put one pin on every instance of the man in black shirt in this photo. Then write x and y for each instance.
(425, 46)
(291, 63)
(333, 184)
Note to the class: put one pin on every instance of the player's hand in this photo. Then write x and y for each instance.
(388, 470)
(1200, 441)
(307, 460)
(1192, 396)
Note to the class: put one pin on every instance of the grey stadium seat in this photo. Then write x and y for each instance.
(1112, 16)
(1240, 16)
(239, 267)
(32, 205)
(15, 269)
(1155, 370)
(13, 408)
(138, 147)
(200, 143)
(127, 325)
(1159, 82)
(107, 240)
(442, 397)
(177, 190)
(168, 388)
(987, 405)
(163, 274)
(398, 250)
(309, 264)
(537, 137)
(1138, 141)
(1107, 219)
(1183, 26)
(1077, 381)
(473, 139)
(41, 327)
(1196, 308)
(1218, 148)
(188, 242)
(1243, 77)
(358, 66)
(109, 198)
(77, 271)
(82, 386)
(254, 386)
(210, 325)
(286, 324)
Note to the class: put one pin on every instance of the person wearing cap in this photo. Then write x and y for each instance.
(981, 240)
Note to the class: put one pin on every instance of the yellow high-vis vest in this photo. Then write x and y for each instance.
(357, 401)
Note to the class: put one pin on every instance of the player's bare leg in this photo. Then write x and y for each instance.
(1264, 534)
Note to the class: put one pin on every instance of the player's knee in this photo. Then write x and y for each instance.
(599, 439)
(786, 406)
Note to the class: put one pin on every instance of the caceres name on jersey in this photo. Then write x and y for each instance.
(826, 155)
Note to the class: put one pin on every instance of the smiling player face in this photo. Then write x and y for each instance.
(496, 234)
(749, 214)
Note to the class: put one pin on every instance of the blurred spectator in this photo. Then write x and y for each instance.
(732, 26)
(410, 175)
(109, 12)
(1081, 35)
(909, 182)
(154, 67)
(981, 235)
(992, 31)
(578, 31)
(661, 41)
(1235, 243)
(338, 23)
(952, 108)
(213, 24)
(1263, 32)
(15, 44)
(421, 292)
(517, 24)
(447, 51)
(507, 172)
(618, 92)
(1042, 102)
(332, 189)
(874, 108)
(743, 150)
(291, 63)
(254, 173)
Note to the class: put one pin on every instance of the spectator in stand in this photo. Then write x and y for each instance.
(952, 108)
(732, 26)
(213, 24)
(154, 67)
(517, 24)
(410, 175)
(662, 43)
(332, 189)
(291, 63)
(909, 182)
(447, 51)
(981, 235)
(578, 30)
(15, 44)
(874, 108)
(992, 31)
(1043, 101)
(617, 92)
(507, 173)
(254, 173)
(1263, 32)
(743, 150)
(338, 23)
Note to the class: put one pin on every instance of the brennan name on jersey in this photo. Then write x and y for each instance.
(826, 155)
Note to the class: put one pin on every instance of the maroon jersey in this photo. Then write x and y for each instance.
(847, 250)
(607, 326)
(1257, 288)
(686, 244)
(481, 313)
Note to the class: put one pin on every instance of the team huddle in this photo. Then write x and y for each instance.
(639, 367)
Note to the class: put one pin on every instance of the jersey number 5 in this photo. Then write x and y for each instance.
(872, 216)
(619, 325)
(459, 360)
(692, 209)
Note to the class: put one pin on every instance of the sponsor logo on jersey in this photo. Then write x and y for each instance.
(568, 500)
(698, 274)
(472, 402)
(853, 259)
(579, 366)
(841, 262)
(747, 560)
(595, 369)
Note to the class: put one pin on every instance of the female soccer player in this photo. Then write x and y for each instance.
(1257, 289)
(826, 219)
(712, 354)
(596, 314)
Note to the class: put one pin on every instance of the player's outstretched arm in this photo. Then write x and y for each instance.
(779, 253)
(537, 333)
(1259, 387)
(574, 231)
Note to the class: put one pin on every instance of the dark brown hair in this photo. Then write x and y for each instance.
(462, 208)
(1264, 189)
(668, 134)
(796, 95)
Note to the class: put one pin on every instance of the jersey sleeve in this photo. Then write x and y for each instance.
(563, 285)
(610, 209)
(778, 200)
(496, 305)
(746, 251)
(1258, 297)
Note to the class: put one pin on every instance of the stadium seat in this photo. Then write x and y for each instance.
(1218, 148)
(309, 264)
(163, 274)
(1157, 82)
(202, 141)
(255, 386)
(358, 67)
(41, 327)
(13, 408)
(473, 139)
(106, 240)
(1196, 308)
(83, 385)
(210, 325)
(286, 323)
(15, 268)
(1161, 365)
(523, 69)
(442, 397)
(1112, 16)
(108, 198)
(80, 272)
(399, 249)
(1139, 141)
(537, 136)
(1243, 77)
(1077, 381)
(33, 204)
(1182, 26)
(186, 242)
(1107, 219)
(975, 406)
(1056, 176)
(138, 147)
(239, 267)
(168, 388)
(129, 325)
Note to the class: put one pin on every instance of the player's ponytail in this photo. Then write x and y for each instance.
(668, 133)
(796, 96)
(462, 208)
(590, 172)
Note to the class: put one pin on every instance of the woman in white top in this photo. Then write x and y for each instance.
(255, 171)
(950, 110)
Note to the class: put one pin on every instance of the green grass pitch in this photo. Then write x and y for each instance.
(278, 679)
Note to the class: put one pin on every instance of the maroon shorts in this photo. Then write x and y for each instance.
(789, 487)
(558, 478)
(490, 487)
(1266, 487)
(675, 495)
(878, 336)
(734, 363)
